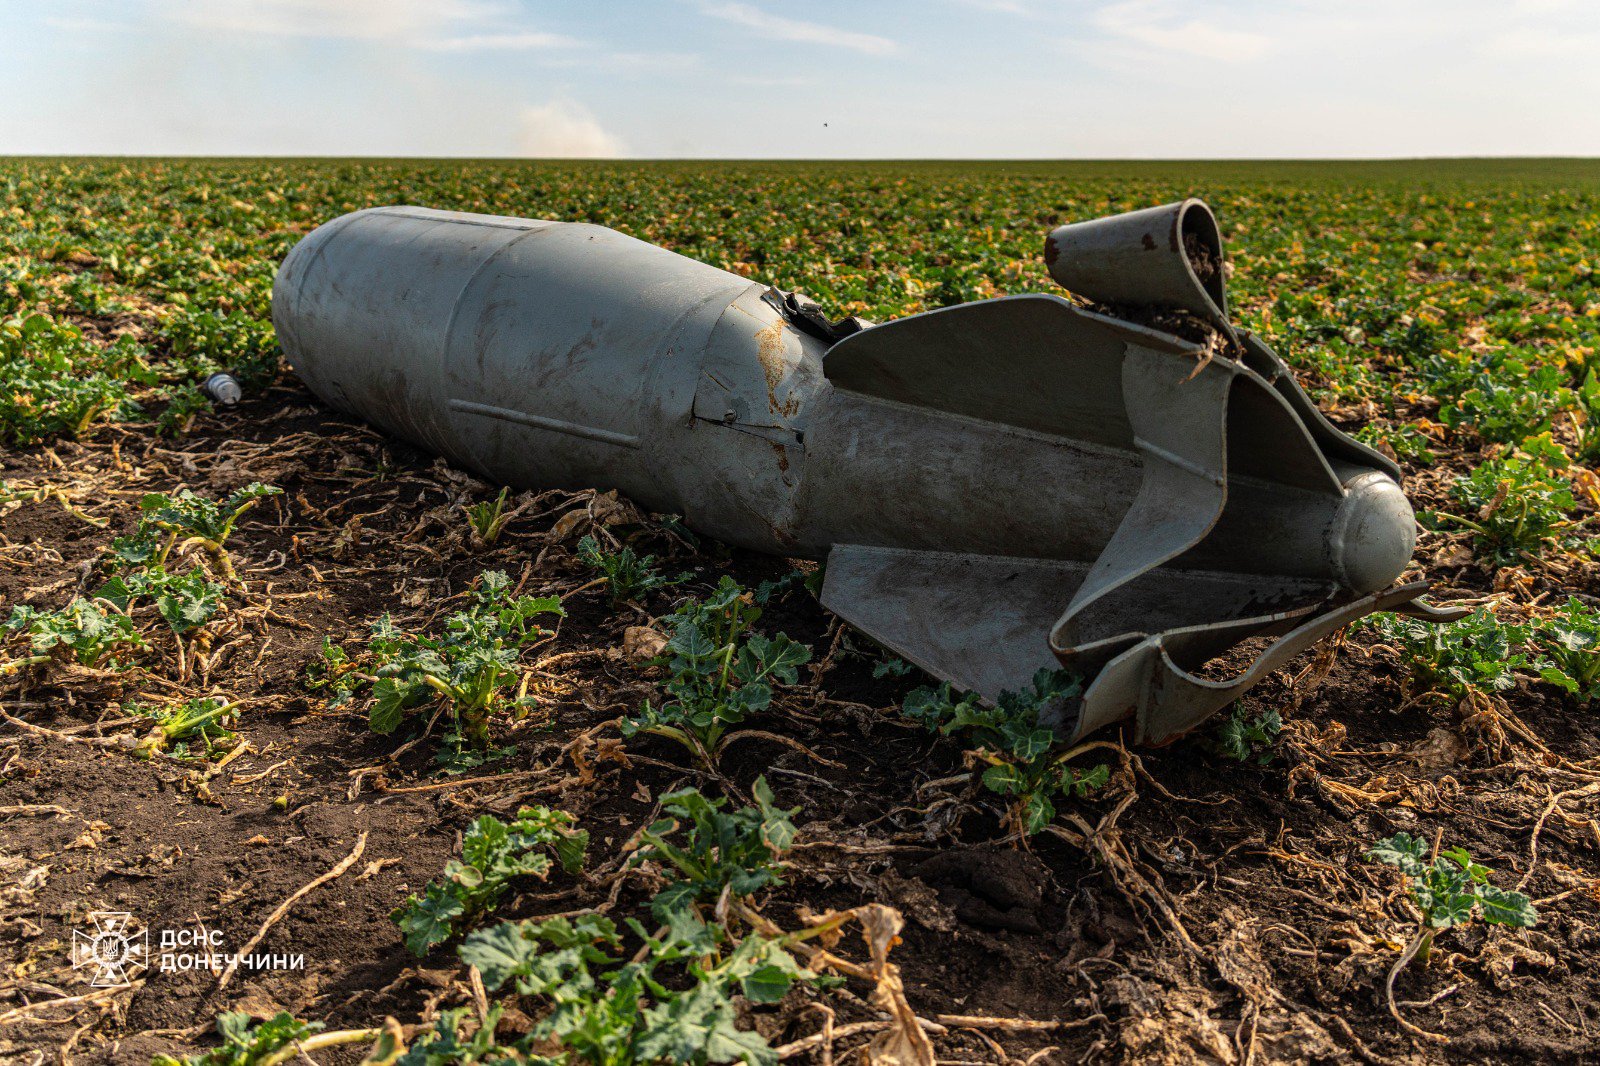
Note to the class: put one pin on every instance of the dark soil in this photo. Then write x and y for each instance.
(1196, 909)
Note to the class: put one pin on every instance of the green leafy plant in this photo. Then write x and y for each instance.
(1248, 738)
(719, 672)
(671, 1002)
(540, 956)
(188, 518)
(469, 668)
(1018, 750)
(1514, 506)
(338, 675)
(199, 720)
(711, 850)
(493, 855)
(184, 601)
(459, 1038)
(627, 575)
(488, 518)
(1570, 638)
(184, 403)
(892, 667)
(245, 1044)
(83, 631)
(205, 342)
(1586, 418)
(1408, 443)
(1478, 654)
(1450, 889)
(1511, 404)
(58, 384)
(809, 580)
(277, 1040)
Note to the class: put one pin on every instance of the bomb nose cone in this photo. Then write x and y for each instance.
(1373, 533)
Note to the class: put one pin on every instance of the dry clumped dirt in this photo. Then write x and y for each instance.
(1194, 910)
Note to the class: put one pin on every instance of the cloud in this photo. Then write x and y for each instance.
(1156, 25)
(786, 29)
(368, 19)
(648, 61)
(429, 25)
(563, 129)
(496, 42)
(626, 64)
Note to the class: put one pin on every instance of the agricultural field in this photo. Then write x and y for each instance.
(399, 767)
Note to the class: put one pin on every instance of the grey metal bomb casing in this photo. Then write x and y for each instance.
(996, 487)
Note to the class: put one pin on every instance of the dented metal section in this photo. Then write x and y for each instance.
(995, 487)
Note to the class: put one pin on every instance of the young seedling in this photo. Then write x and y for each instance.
(184, 601)
(493, 855)
(184, 404)
(1406, 443)
(1474, 657)
(1018, 750)
(712, 851)
(1248, 738)
(334, 672)
(1514, 506)
(83, 631)
(1511, 404)
(627, 575)
(201, 719)
(1450, 890)
(245, 1044)
(460, 1038)
(488, 519)
(893, 668)
(280, 1039)
(809, 580)
(671, 1002)
(1571, 639)
(466, 672)
(188, 518)
(1586, 419)
(719, 673)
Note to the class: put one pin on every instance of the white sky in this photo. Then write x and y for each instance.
(823, 79)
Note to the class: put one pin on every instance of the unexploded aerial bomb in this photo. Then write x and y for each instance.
(1128, 490)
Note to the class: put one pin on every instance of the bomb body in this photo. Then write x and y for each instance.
(996, 487)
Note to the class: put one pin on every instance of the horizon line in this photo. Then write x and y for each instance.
(815, 159)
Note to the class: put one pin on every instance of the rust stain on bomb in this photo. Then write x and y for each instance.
(769, 350)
